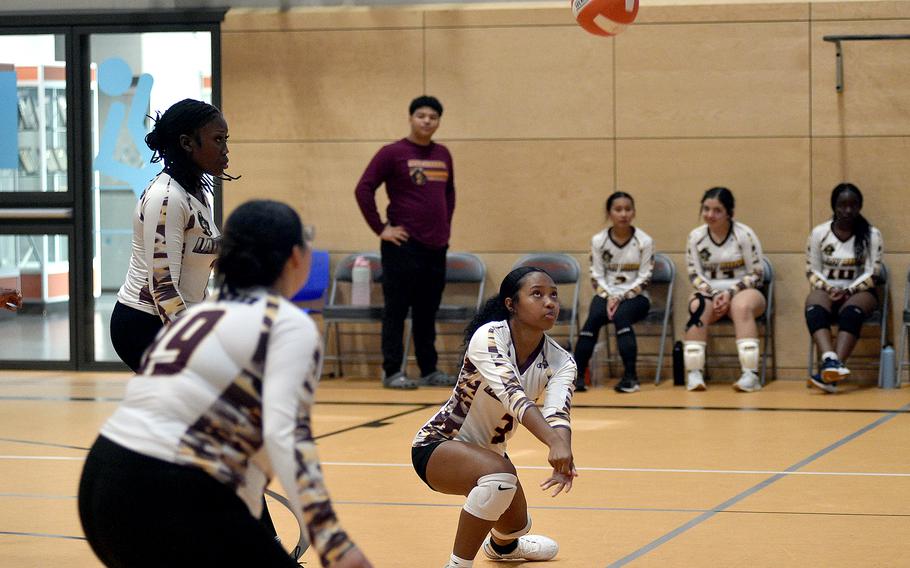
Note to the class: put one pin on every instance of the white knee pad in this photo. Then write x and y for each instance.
(491, 496)
(694, 355)
(514, 535)
(748, 353)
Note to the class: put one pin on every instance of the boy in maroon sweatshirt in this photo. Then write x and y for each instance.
(420, 182)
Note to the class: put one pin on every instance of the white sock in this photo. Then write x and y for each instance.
(829, 355)
(456, 562)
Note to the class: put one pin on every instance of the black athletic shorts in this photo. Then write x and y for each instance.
(420, 457)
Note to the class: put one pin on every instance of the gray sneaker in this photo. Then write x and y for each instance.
(437, 379)
(399, 381)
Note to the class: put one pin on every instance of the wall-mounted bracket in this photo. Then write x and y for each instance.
(838, 52)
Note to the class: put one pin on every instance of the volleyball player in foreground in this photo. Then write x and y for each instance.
(220, 406)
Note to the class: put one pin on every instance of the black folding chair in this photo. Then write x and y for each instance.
(336, 314)
(659, 320)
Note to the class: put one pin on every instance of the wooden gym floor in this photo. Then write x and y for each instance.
(784, 477)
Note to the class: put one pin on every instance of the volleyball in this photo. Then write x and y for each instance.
(604, 17)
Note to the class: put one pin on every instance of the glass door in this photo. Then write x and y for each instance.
(35, 257)
(76, 93)
(134, 77)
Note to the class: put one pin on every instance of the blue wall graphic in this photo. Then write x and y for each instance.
(114, 79)
(9, 121)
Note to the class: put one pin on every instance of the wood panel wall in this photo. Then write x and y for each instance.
(545, 121)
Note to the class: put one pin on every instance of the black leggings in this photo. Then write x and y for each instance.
(139, 511)
(629, 312)
(132, 331)
(413, 277)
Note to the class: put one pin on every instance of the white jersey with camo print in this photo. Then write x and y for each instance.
(621, 270)
(492, 393)
(734, 264)
(175, 242)
(228, 388)
(832, 264)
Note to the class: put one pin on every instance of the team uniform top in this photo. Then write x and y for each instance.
(832, 264)
(734, 264)
(492, 392)
(228, 388)
(175, 242)
(621, 271)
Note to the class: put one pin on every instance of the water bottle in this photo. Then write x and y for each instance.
(361, 279)
(597, 371)
(679, 369)
(889, 379)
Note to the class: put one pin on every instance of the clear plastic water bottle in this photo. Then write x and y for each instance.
(361, 279)
(889, 378)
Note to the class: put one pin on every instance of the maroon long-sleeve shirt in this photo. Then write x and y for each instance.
(420, 183)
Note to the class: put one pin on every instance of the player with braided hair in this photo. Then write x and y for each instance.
(843, 259)
(175, 239)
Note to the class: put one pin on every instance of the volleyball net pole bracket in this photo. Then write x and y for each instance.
(839, 55)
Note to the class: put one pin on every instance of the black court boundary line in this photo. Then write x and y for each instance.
(368, 424)
(901, 410)
(377, 421)
(723, 507)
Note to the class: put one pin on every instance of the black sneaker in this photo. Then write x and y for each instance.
(580, 386)
(627, 384)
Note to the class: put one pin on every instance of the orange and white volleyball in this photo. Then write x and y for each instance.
(605, 17)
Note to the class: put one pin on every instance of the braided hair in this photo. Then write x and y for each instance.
(861, 227)
(494, 309)
(185, 117)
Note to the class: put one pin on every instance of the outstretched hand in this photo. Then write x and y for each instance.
(560, 481)
(10, 299)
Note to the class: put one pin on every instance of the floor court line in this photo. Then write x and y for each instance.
(43, 535)
(64, 398)
(582, 469)
(751, 491)
(281, 499)
(48, 444)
